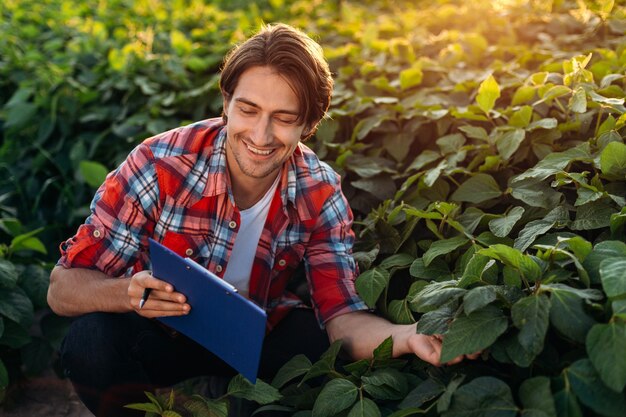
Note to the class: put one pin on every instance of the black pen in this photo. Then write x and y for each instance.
(144, 297)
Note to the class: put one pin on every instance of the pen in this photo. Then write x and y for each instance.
(144, 297)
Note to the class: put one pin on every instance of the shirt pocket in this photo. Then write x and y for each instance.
(189, 245)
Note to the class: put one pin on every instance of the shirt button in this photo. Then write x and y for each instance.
(282, 262)
(96, 233)
(189, 252)
(218, 268)
(232, 224)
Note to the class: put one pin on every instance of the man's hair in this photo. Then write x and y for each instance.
(292, 54)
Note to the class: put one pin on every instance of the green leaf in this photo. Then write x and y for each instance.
(147, 407)
(555, 163)
(566, 404)
(295, 367)
(473, 333)
(613, 161)
(399, 260)
(93, 172)
(260, 392)
(411, 77)
(364, 408)
(535, 193)
(479, 297)
(508, 143)
(425, 391)
(605, 346)
(14, 336)
(475, 132)
(613, 275)
(19, 115)
(436, 270)
(578, 101)
(443, 403)
(34, 280)
(477, 189)
(371, 284)
(557, 217)
(399, 312)
(386, 384)
(475, 269)
(590, 390)
(602, 251)
(450, 143)
(336, 396)
(483, 396)
(502, 226)
(594, 215)
(384, 351)
(326, 363)
(531, 315)
(515, 259)
(535, 394)
(522, 117)
(8, 274)
(16, 305)
(568, 315)
(436, 321)
(488, 93)
(435, 295)
(443, 247)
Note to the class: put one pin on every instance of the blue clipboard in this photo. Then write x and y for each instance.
(221, 320)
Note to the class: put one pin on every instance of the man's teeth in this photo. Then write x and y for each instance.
(258, 151)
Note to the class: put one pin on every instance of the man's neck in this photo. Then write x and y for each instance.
(247, 191)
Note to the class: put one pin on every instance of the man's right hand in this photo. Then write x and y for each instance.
(163, 300)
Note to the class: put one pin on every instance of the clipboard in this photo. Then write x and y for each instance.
(222, 320)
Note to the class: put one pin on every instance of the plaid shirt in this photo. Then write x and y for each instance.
(175, 188)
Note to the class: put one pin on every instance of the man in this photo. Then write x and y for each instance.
(246, 199)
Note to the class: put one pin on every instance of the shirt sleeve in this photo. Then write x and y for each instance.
(123, 210)
(330, 266)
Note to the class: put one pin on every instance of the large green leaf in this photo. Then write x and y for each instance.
(568, 315)
(425, 391)
(535, 394)
(484, 396)
(477, 189)
(442, 247)
(326, 363)
(371, 284)
(613, 161)
(601, 252)
(593, 215)
(386, 384)
(364, 408)
(557, 217)
(479, 297)
(436, 270)
(8, 274)
(336, 396)
(260, 392)
(473, 333)
(295, 367)
(515, 259)
(16, 305)
(488, 93)
(502, 226)
(531, 315)
(605, 345)
(93, 172)
(435, 295)
(508, 143)
(555, 162)
(34, 280)
(613, 275)
(436, 321)
(590, 390)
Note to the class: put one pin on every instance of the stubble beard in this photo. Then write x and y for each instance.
(250, 168)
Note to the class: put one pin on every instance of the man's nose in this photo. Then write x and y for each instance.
(262, 131)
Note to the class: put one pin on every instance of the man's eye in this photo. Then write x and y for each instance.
(246, 111)
(287, 121)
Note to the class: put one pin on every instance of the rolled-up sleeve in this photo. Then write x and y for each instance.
(330, 266)
(122, 217)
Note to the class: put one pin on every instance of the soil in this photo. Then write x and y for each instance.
(46, 396)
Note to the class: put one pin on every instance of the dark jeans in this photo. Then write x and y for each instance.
(112, 359)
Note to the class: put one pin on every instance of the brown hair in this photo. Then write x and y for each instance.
(293, 55)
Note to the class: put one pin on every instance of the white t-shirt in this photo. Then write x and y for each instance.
(242, 256)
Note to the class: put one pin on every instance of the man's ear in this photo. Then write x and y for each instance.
(225, 103)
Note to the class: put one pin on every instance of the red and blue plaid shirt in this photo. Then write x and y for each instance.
(175, 188)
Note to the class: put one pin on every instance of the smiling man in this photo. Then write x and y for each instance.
(246, 199)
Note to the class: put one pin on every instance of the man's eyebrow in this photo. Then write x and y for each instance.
(253, 104)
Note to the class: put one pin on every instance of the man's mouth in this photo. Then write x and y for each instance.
(259, 151)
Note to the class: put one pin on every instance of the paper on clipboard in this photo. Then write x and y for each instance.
(221, 320)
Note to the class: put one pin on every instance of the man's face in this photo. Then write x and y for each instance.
(262, 129)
